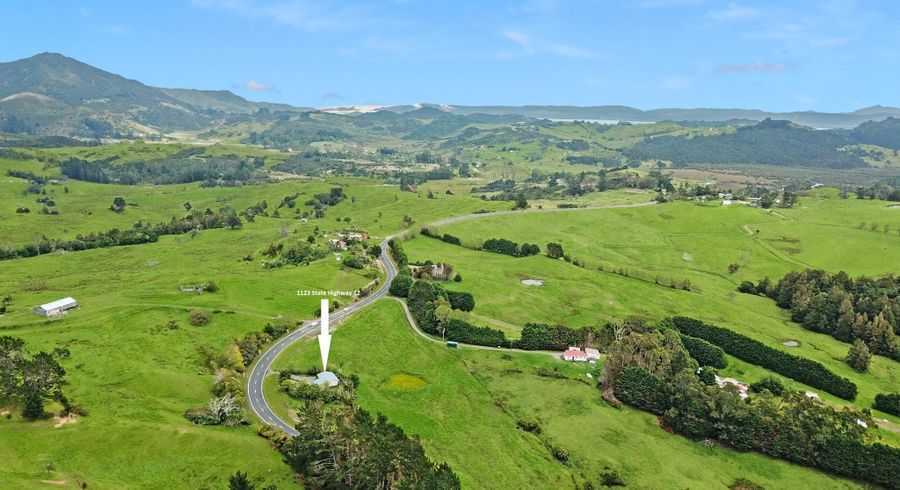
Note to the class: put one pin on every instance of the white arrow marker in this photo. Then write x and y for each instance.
(324, 337)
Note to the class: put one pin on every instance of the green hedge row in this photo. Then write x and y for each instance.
(801, 369)
(462, 331)
(705, 353)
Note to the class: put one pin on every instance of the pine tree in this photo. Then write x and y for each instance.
(859, 356)
(844, 328)
(34, 406)
(240, 481)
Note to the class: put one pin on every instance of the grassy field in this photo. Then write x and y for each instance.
(674, 241)
(133, 372)
(136, 371)
(447, 398)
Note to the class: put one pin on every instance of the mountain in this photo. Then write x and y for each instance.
(615, 113)
(52, 94)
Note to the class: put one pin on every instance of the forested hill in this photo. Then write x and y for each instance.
(884, 133)
(769, 142)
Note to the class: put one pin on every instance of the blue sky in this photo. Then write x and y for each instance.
(833, 55)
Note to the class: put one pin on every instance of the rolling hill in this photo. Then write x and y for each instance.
(52, 94)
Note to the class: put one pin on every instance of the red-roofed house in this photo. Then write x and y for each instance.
(592, 353)
(574, 354)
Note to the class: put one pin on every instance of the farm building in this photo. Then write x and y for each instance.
(575, 354)
(56, 308)
(592, 354)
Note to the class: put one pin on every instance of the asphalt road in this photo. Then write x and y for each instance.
(255, 395)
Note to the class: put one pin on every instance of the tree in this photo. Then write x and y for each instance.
(375, 251)
(400, 286)
(859, 356)
(521, 202)
(240, 481)
(555, 251)
(457, 278)
(118, 204)
(187, 206)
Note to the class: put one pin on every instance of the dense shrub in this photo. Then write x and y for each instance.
(771, 383)
(450, 239)
(641, 389)
(501, 246)
(705, 353)
(888, 402)
(199, 318)
(803, 370)
(461, 300)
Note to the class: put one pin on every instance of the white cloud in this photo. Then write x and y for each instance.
(530, 45)
(537, 6)
(757, 67)
(302, 14)
(518, 37)
(674, 83)
(255, 86)
(735, 13)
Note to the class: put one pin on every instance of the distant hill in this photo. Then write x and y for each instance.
(51, 94)
(883, 133)
(822, 120)
(769, 142)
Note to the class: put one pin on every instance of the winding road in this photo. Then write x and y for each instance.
(256, 381)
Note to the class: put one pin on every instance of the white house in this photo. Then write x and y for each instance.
(574, 354)
(58, 307)
(326, 378)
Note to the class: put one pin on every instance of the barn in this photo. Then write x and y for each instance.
(56, 308)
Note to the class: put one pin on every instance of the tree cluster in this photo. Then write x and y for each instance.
(507, 247)
(847, 309)
(801, 369)
(181, 168)
(139, 233)
(343, 446)
(652, 371)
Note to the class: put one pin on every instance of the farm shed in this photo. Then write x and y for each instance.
(57, 307)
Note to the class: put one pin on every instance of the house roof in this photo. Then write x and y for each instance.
(575, 353)
(60, 303)
(326, 377)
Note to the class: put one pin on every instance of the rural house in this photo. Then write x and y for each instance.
(56, 308)
(592, 354)
(575, 354)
